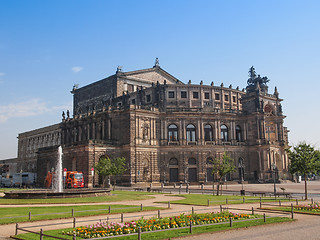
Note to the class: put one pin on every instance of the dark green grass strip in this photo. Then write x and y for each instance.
(64, 212)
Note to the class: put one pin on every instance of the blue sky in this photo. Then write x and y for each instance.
(47, 46)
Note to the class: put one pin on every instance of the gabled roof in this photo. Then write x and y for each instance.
(151, 75)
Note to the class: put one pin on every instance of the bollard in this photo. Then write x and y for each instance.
(17, 226)
(260, 202)
(244, 200)
(264, 217)
(230, 221)
(29, 216)
(74, 222)
(291, 211)
(190, 226)
(192, 210)
(141, 208)
(208, 202)
(252, 210)
(121, 217)
(41, 234)
(168, 204)
(109, 209)
(158, 213)
(139, 233)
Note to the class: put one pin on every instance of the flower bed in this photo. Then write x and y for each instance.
(315, 207)
(103, 229)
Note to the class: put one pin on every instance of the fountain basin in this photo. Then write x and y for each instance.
(67, 193)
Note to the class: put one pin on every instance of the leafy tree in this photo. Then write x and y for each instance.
(118, 168)
(107, 167)
(304, 160)
(221, 167)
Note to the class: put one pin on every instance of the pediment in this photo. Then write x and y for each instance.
(151, 75)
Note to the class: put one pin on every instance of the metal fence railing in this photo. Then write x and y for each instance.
(77, 222)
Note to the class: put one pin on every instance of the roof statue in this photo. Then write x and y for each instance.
(156, 63)
(119, 69)
(254, 78)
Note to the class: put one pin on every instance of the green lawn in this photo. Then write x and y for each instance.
(116, 196)
(288, 209)
(172, 232)
(63, 212)
(202, 199)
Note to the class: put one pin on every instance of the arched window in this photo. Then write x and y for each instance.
(192, 161)
(173, 132)
(208, 133)
(191, 133)
(224, 133)
(238, 134)
(173, 162)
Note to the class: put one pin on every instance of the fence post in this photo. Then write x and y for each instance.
(74, 222)
(17, 226)
(190, 226)
(291, 211)
(220, 208)
(158, 213)
(297, 202)
(260, 202)
(264, 217)
(109, 209)
(168, 204)
(252, 211)
(72, 212)
(230, 221)
(141, 207)
(29, 216)
(41, 232)
(208, 202)
(192, 210)
(74, 237)
(244, 200)
(311, 200)
(279, 202)
(226, 200)
(139, 233)
(121, 216)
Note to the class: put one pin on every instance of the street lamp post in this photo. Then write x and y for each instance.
(241, 166)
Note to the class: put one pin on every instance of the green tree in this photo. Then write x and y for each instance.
(221, 167)
(107, 167)
(118, 168)
(304, 160)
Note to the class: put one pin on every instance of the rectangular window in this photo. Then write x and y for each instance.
(183, 94)
(133, 101)
(226, 98)
(217, 96)
(206, 95)
(148, 98)
(171, 94)
(234, 99)
(195, 95)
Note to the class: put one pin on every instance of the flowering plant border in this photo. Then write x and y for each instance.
(105, 229)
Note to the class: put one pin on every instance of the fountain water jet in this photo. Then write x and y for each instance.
(57, 183)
